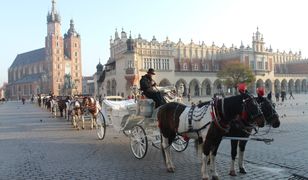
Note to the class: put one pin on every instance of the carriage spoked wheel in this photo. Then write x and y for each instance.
(138, 142)
(179, 144)
(101, 126)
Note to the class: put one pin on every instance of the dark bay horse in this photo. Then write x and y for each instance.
(271, 119)
(178, 119)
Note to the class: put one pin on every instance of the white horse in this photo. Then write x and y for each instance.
(53, 107)
(76, 113)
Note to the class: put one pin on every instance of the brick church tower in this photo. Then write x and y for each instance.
(63, 56)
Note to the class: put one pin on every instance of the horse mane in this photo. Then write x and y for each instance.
(232, 106)
(203, 103)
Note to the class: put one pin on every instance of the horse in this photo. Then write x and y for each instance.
(178, 119)
(90, 105)
(271, 119)
(63, 105)
(53, 106)
(76, 112)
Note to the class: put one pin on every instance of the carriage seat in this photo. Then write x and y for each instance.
(145, 107)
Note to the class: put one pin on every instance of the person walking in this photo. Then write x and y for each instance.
(291, 95)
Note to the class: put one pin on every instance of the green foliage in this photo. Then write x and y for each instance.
(234, 73)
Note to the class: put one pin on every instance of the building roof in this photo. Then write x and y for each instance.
(29, 57)
(29, 78)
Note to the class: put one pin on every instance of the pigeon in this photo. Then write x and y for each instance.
(41, 120)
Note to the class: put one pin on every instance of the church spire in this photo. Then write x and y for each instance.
(53, 16)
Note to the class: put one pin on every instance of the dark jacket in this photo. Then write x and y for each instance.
(146, 84)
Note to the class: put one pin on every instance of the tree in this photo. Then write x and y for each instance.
(234, 73)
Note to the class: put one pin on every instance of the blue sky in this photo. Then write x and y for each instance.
(23, 24)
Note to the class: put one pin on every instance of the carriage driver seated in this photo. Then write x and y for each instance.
(147, 85)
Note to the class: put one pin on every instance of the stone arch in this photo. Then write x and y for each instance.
(291, 85)
(297, 86)
(217, 86)
(164, 82)
(181, 87)
(194, 88)
(277, 86)
(284, 85)
(268, 85)
(259, 83)
(206, 89)
(304, 85)
(113, 87)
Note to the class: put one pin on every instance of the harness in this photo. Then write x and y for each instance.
(216, 117)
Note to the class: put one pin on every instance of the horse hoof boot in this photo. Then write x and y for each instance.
(170, 170)
(215, 178)
(232, 173)
(243, 171)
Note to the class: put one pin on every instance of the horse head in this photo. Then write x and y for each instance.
(270, 114)
(251, 111)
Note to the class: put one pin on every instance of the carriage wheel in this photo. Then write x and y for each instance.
(138, 142)
(179, 144)
(101, 126)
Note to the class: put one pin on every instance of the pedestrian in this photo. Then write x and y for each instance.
(269, 96)
(291, 95)
(277, 96)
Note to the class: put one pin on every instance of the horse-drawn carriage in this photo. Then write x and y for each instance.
(136, 118)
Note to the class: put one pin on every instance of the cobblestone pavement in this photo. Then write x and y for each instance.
(35, 146)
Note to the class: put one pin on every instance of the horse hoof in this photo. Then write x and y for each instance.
(243, 171)
(232, 173)
(170, 170)
(205, 178)
(215, 178)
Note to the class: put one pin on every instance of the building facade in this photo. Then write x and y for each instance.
(54, 68)
(195, 66)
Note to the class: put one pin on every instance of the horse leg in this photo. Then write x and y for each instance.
(165, 147)
(92, 121)
(74, 121)
(205, 159)
(242, 146)
(213, 159)
(233, 156)
(82, 119)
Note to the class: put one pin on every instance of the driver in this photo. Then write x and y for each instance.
(147, 85)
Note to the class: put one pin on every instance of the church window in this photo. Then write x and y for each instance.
(57, 44)
(75, 44)
(76, 53)
(76, 60)
(76, 74)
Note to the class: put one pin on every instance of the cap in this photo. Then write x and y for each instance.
(260, 91)
(151, 71)
(242, 87)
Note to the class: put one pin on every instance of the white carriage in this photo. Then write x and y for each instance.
(137, 120)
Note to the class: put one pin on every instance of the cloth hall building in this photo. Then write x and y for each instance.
(195, 66)
(54, 68)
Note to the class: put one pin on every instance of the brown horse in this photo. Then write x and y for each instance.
(91, 107)
(178, 119)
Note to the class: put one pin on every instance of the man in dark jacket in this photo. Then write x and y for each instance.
(147, 85)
